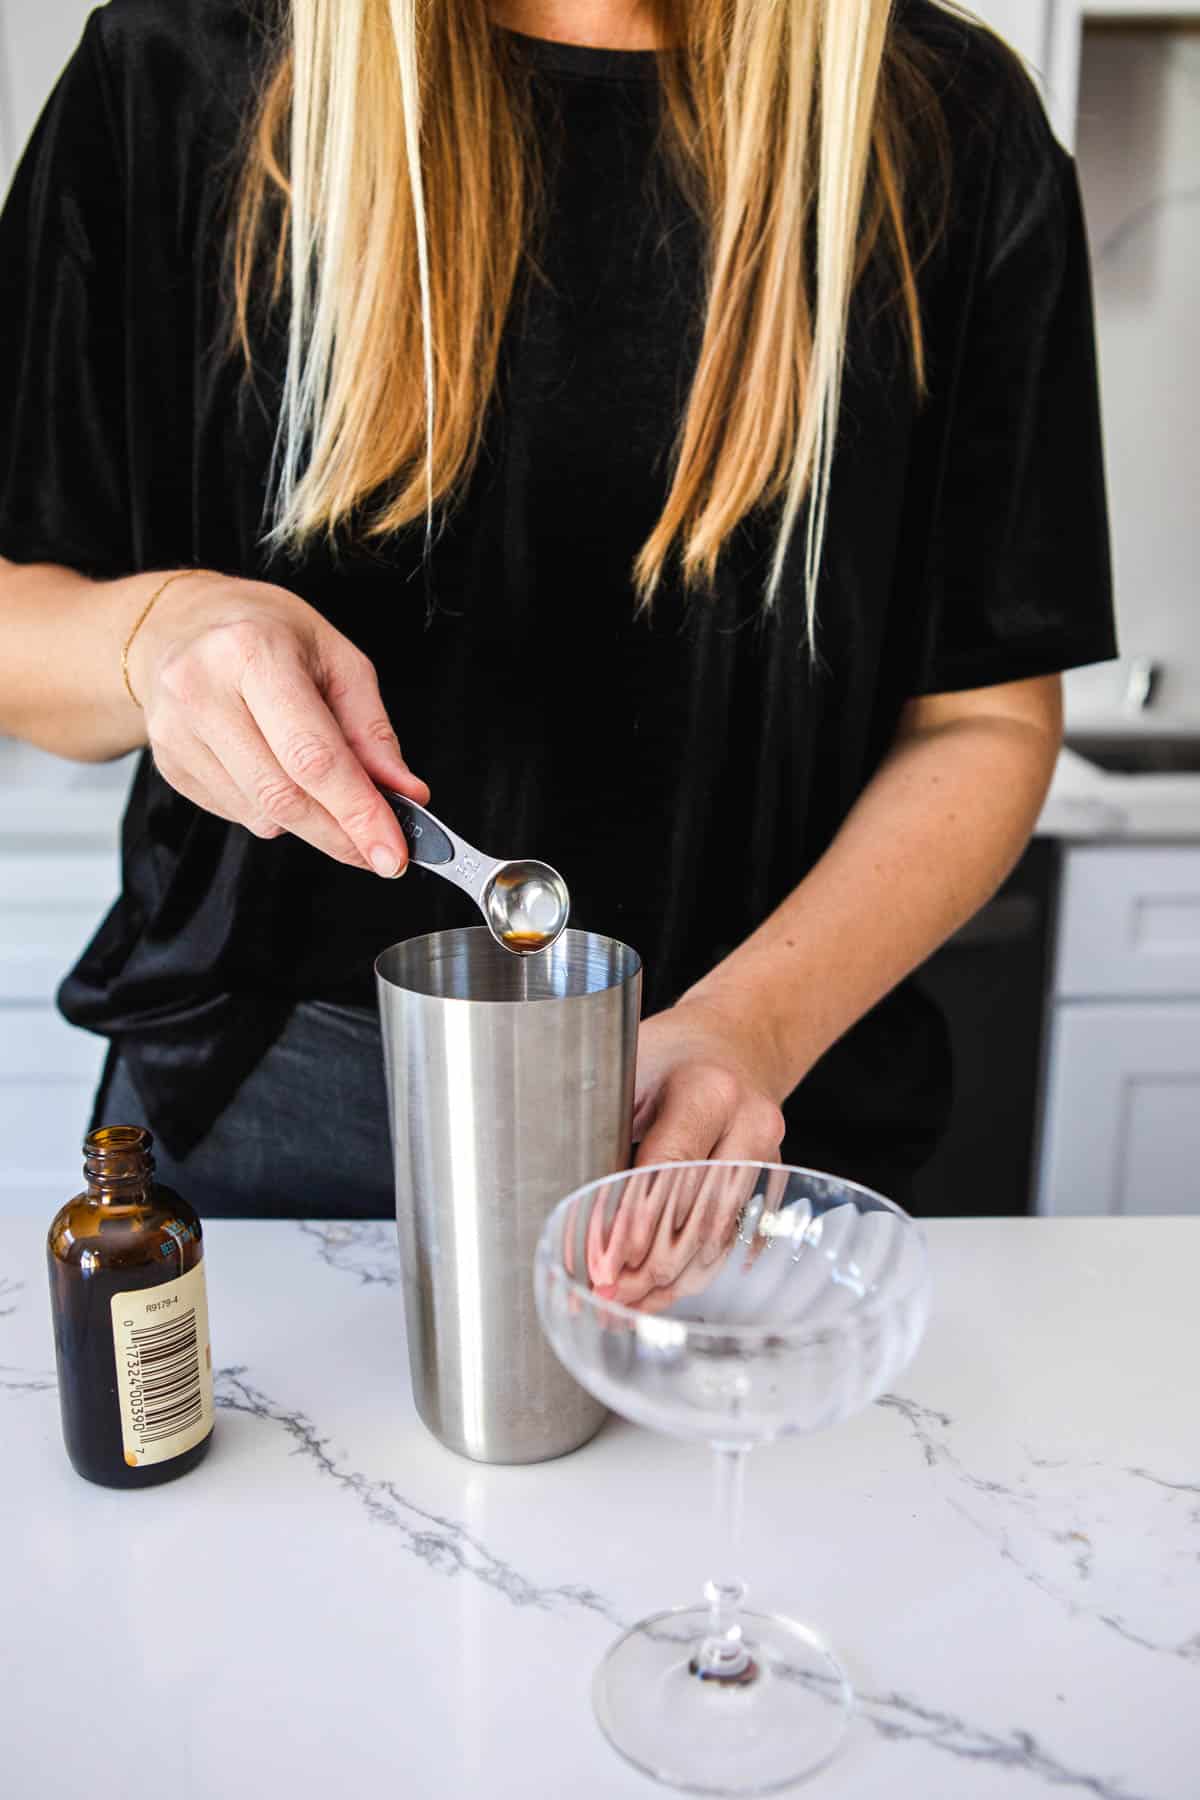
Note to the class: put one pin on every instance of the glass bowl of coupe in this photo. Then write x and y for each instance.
(735, 1303)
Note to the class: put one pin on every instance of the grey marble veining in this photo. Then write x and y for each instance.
(1042, 1525)
(366, 1249)
(443, 1545)
(446, 1547)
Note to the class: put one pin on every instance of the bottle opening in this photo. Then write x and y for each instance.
(121, 1140)
(118, 1156)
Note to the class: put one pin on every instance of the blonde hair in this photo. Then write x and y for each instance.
(392, 169)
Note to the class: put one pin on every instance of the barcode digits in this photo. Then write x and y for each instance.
(169, 1371)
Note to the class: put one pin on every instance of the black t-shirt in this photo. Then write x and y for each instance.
(684, 769)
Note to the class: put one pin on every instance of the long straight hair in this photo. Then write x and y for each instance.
(391, 182)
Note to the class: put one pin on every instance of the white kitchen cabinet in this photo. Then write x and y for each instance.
(59, 874)
(1129, 922)
(1123, 1109)
(48, 1074)
(52, 898)
(50, 904)
(1121, 1121)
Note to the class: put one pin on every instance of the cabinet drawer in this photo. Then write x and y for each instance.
(43, 1125)
(1122, 1122)
(37, 1046)
(48, 1074)
(76, 880)
(1129, 923)
(50, 905)
(37, 948)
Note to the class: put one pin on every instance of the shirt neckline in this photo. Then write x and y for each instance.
(586, 60)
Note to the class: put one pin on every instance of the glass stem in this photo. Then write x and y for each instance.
(722, 1656)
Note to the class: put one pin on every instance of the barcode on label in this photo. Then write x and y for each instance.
(163, 1368)
(166, 1394)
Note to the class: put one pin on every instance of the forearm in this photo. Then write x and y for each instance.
(61, 637)
(930, 839)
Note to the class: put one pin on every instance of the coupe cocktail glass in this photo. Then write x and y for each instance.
(736, 1303)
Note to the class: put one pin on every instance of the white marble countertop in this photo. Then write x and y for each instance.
(1006, 1552)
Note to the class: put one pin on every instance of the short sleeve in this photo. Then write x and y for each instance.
(1018, 577)
(63, 351)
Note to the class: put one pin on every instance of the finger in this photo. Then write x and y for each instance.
(602, 1219)
(570, 1228)
(195, 772)
(736, 1193)
(643, 1113)
(687, 1183)
(189, 766)
(270, 802)
(754, 1133)
(632, 1288)
(778, 1183)
(651, 1209)
(774, 1194)
(307, 743)
(674, 1242)
(695, 1110)
(642, 1197)
(351, 689)
(671, 1247)
(682, 1228)
(691, 1280)
(667, 1273)
(700, 1248)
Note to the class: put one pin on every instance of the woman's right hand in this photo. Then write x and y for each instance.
(259, 711)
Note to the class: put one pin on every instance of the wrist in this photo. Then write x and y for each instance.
(147, 618)
(738, 1017)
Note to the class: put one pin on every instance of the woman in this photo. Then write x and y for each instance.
(677, 423)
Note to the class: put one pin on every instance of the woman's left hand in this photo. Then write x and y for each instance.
(704, 1088)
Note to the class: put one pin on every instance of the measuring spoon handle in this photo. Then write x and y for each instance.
(436, 847)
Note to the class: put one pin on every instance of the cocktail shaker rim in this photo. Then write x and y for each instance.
(630, 972)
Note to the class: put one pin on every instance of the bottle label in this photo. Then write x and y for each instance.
(164, 1368)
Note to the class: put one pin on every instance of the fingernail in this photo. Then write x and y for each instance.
(385, 861)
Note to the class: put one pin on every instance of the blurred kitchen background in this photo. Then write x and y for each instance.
(1074, 997)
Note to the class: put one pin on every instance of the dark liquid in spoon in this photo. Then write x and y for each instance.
(527, 943)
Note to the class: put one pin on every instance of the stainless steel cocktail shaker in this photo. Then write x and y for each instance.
(510, 1082)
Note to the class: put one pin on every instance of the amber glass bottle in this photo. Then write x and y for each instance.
(130, 1312)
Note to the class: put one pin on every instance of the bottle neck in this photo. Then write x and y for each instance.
(118, 1165)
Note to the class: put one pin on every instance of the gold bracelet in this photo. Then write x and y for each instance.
(176, 575)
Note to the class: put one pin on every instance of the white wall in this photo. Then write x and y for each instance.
(1025, 23)
(1138, 146)
(36, 38)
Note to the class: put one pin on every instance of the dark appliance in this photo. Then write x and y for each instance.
(991, 982)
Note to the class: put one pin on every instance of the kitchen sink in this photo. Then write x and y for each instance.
(1138, 754)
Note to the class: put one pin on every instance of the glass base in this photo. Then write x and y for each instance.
(712, 1737)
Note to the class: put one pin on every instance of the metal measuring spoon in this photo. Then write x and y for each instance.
(525, 903)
